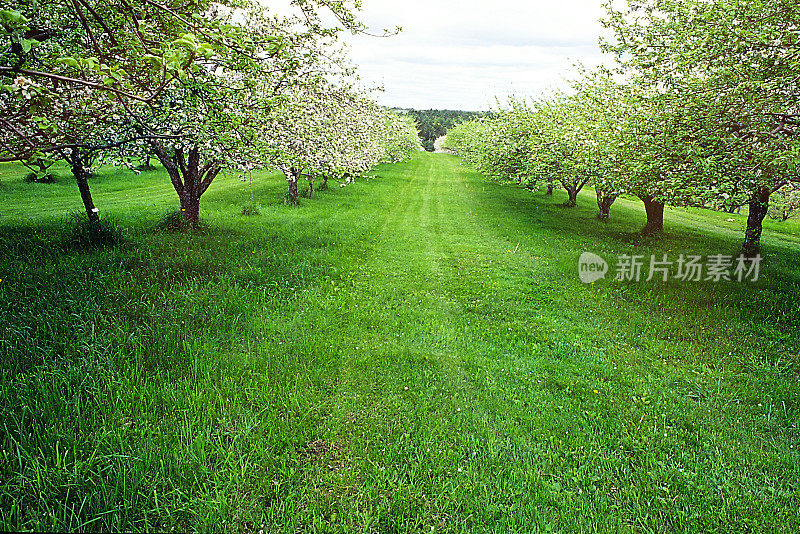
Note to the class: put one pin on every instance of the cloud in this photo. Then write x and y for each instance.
(460, 55)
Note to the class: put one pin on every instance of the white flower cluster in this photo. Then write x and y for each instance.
(26, 87)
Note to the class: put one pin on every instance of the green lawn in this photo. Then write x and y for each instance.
(410, 353)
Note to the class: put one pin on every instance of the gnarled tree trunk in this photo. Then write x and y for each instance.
(573, 186)
(291, 179)
(189, 179)
(549, 191)
(655, 215)
(572, 195)
(604, 201)
(758, 206)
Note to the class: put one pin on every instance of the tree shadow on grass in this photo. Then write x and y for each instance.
(749, 308)
(144, 300)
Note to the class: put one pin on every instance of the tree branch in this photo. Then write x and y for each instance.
(87, 83)
(88, 29)
(100, 21)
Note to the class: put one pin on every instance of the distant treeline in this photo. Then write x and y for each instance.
(434, 123)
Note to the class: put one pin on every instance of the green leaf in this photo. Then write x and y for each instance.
(155, 60)
(69, 61)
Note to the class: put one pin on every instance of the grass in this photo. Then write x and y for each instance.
(415, 353)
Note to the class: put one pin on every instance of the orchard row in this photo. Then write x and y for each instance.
(699, 106)
(202, 86)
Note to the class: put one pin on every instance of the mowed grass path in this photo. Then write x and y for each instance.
(413, 353)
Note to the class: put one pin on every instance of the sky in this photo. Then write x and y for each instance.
(465, 54)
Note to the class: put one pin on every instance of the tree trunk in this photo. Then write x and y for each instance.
(189, 179)
(604, 201)
(572, 193)
(190, 207)
(291, 178)
(79, 172)
(573, 186)
(549, 189)
(310, 185)
(324, 185)
(655, 215)
(758, 206)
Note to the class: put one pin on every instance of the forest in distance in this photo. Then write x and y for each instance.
(434, 123)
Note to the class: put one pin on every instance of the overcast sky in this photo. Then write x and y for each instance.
(462, 54)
